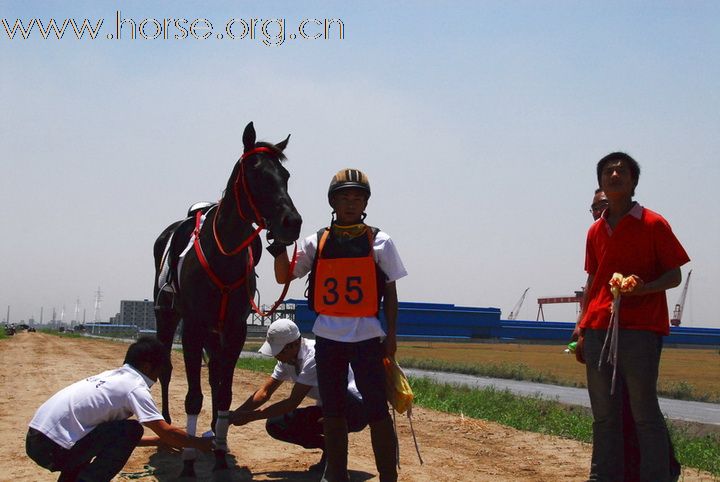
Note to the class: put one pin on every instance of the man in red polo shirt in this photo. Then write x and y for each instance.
(637, 242)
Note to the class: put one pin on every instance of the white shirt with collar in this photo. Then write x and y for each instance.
(76, 410)
(305, 372)
(635, 211)
(351, 329)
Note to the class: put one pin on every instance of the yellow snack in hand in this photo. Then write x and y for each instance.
(628, 284)
(616, 284)
(620, 284)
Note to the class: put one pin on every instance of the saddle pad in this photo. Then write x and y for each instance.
(188, 247)
(164, 279)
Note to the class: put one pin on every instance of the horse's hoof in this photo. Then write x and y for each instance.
(220, 460)
(188, 468)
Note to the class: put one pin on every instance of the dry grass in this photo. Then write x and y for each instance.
(697, 368)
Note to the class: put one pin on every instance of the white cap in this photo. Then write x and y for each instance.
(280, 332)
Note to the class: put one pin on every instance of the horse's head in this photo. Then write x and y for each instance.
(260, 184)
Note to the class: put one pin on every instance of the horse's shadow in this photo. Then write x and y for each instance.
(168, 465)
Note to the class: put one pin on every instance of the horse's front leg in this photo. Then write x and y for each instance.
(222, 369)
(220, 412)
(192, 354)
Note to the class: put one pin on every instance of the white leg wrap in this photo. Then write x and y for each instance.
(192, 424)
(189, 453)
(221, 430)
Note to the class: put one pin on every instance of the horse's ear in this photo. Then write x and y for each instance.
(283, 144)
(249, 137)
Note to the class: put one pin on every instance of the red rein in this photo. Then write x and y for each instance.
(284, 291)
(226, 289)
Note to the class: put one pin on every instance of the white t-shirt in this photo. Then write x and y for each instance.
(75, 411)
(351, 329)
(305, 372)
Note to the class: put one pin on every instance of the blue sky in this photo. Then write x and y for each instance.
(478, 123)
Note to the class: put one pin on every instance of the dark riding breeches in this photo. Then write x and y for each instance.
(110, 444)
(303, 426)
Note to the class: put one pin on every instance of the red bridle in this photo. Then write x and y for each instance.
(241, 181)
(226, 289)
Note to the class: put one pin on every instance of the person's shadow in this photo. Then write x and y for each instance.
(305, 476)
(167, 467)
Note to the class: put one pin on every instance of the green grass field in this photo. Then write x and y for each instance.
(701, 451)
(679, 375)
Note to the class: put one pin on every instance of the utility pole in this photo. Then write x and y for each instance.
(98, 301)
(76, 315)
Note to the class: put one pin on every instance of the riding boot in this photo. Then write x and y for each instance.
(336, 449)
(384, 444)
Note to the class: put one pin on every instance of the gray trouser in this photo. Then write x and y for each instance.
(638, 364)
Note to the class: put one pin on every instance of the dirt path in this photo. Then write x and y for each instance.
(37, 365)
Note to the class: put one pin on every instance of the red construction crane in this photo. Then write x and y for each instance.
(678, 311)
(557, 299)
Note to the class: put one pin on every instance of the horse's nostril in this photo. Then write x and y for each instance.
(291, 221)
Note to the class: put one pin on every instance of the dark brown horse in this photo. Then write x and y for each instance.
(216, 279)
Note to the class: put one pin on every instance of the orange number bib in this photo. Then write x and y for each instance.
(346, 287)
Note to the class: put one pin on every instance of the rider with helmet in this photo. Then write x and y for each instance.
(352, 268)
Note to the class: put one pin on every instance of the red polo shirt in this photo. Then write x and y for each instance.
(642, 244)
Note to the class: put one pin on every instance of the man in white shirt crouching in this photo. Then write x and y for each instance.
(83, 430)
(285, 421)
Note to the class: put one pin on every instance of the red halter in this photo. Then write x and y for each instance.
(226, 289)
(241, 180)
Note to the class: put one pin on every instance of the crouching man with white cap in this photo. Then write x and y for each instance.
(285, 421)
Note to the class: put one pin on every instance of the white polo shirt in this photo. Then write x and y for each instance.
(305, 372)
(75, 411)
(351, 329)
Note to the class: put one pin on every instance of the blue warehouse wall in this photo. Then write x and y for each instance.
(447, 321)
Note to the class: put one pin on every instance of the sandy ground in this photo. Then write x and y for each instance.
(453, 448)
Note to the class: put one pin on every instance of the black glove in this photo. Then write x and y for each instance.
(275, 248)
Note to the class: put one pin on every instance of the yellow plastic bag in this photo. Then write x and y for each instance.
(398, 389)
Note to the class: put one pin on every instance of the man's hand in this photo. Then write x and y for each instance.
(275, 248)
(174, 436)
(632, 285)
(578, 335)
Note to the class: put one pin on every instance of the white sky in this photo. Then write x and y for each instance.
(478, 123)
